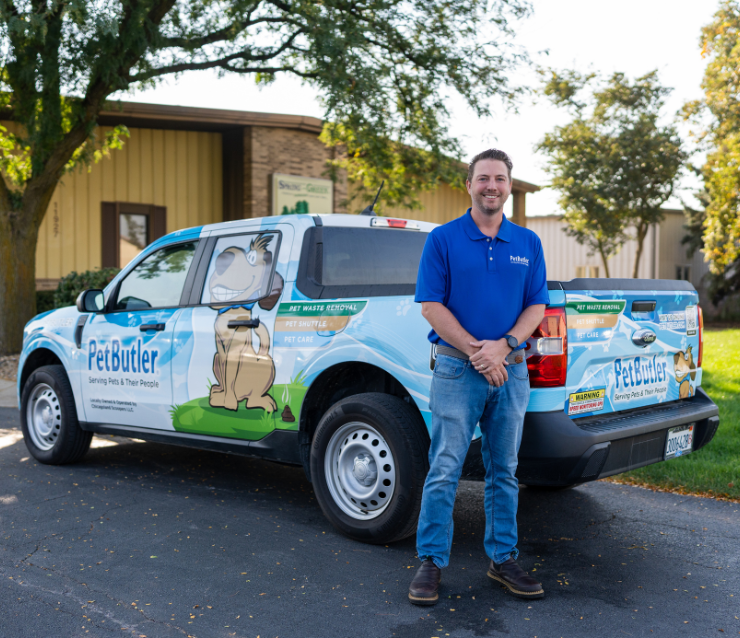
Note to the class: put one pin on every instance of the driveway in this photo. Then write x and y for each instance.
(142, 539)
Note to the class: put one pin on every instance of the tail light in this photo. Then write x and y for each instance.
(701, 337)
(547, 351)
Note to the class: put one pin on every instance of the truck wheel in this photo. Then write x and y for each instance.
(49, 418)
(368, 466)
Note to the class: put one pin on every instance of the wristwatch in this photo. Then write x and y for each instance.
(512, 341)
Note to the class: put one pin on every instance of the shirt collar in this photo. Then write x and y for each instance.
(472, 230)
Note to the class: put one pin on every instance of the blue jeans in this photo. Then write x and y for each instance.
(461, 398)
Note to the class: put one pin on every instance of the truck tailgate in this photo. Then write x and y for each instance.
(630, 346)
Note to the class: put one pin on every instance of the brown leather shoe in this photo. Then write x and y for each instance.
(516, 580)
(424, 588)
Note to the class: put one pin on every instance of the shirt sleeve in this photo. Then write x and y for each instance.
(538, 284)
(431, 283)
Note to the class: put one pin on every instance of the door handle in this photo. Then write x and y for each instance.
(244, 323)
(151, 326)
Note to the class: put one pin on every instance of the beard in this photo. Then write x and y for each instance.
(488, 207)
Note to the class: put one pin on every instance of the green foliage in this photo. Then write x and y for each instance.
(719, 285)
(715, 468)
(44, 301)
(613, 165)
(718, 119)
(74, 283)
(386, 71)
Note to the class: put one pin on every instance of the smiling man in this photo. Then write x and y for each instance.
(483, 288)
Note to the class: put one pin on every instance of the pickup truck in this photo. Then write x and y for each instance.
(296, 339)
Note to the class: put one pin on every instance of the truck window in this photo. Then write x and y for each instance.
(158, 280)
(341, 262)
(241, 268)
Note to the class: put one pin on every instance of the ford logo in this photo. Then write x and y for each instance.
(643, 337)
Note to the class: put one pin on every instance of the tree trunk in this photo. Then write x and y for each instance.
(19, 232)
(641, 232)
(17, 282)
(604, 262)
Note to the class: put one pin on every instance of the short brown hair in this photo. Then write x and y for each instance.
(491, 153)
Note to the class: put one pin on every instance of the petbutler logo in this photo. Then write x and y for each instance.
(640, 377)
(115, 357)
(519, 260)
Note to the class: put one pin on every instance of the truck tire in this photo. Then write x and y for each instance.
(49, 418)
(368, 466)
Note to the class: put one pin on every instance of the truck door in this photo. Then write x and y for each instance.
(224, 370)
(127, 370)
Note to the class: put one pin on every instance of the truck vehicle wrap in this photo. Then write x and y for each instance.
(297, 339)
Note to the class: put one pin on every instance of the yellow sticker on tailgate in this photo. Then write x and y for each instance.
(586, 401)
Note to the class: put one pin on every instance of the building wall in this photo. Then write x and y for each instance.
(563, 255)
(673, 253)
(439, 206)
(269, 150)
(180, 170)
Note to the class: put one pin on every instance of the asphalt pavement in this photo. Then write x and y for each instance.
(141, 539)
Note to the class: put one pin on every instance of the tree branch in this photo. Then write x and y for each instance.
(222, 34)
(221, 62)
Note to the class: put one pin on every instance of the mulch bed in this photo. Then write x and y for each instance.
(9, 367)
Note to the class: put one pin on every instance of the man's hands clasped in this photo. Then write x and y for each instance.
(490, 360)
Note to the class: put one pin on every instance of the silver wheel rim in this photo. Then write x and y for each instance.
(44, 417)
(360, 471)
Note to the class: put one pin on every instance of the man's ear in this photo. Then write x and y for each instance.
(268, 303)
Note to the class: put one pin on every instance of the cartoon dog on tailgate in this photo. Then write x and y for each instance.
(242, 372)
(684, 367)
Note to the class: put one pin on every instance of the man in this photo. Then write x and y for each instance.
(483, 288)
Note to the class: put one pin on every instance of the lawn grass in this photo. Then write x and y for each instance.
(715, 469)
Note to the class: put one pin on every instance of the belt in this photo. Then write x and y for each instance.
(514, 357)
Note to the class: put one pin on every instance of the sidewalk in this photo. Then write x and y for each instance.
(7, 394)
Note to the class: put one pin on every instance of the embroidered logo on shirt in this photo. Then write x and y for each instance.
(519, 260)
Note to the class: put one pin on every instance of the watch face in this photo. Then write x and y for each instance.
(512, 341)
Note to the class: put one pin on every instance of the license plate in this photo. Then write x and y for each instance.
(680, 441)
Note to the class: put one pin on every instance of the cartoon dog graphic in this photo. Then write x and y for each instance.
(684, 366)
(241, 371)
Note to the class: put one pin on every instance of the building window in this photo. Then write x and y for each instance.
(591, 272)
(127, 229)
(683, 273)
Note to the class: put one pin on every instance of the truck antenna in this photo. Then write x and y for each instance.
(369, 210)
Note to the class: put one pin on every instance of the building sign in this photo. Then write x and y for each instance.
(293, 195)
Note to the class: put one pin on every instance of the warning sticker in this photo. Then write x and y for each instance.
(587, 401)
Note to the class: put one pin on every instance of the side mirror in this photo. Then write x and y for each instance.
(91, 301)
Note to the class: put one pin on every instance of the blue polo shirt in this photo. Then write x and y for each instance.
(486, 283)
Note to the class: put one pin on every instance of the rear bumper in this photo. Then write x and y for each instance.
(557, 450)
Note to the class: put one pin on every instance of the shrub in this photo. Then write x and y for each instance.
(44, 300)
(74, 283)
